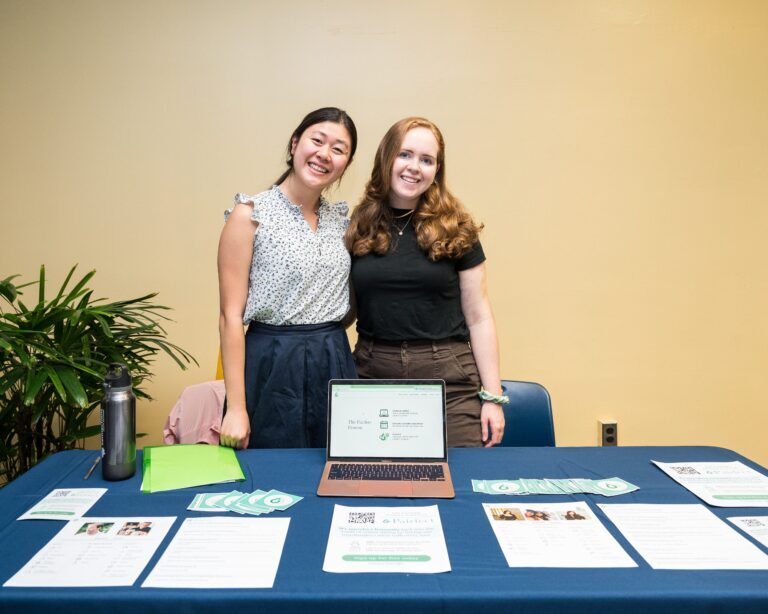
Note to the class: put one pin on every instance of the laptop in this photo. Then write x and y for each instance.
(386, 438)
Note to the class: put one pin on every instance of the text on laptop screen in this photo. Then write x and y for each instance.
(387, 421)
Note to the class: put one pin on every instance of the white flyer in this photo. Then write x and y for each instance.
(386, 539)
(683, 536)
(64, 504)
(554, 535)
(754, 526)
(729, 484)
(222, 552)
(95, 552)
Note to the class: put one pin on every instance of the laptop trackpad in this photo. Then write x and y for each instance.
(385, 488)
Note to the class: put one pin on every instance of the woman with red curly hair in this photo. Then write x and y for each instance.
(418, 275)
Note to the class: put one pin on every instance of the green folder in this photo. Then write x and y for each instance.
(186, 465)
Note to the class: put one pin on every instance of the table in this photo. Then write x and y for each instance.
(480, 576)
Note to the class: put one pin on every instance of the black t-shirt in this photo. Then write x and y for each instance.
(403, 296)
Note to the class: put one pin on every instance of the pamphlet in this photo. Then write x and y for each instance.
(554, 535)
(754, 526)
(683, 536)
(64, 504)
(95, 552)
(386, 539)
(222, 552)
(730, 484)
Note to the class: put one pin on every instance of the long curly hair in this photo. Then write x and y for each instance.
(444, 228)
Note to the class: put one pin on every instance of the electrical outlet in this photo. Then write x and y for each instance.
(608, 432)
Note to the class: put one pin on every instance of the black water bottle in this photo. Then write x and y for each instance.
(118, 425)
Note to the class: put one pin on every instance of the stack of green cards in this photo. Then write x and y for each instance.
(609, 487)
(256, 503)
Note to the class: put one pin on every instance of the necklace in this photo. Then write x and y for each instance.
(397, 217)
(408, 221)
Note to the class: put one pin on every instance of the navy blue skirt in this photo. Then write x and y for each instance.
(287, 369)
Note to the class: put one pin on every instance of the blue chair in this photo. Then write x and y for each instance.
(528, 415)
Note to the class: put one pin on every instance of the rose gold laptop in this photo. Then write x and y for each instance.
(386, 438)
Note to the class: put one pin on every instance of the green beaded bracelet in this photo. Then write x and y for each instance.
(487, 396)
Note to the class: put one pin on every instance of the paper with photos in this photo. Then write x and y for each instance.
(95, 552)
(554, 535)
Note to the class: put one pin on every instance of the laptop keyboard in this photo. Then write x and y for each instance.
(386, 471)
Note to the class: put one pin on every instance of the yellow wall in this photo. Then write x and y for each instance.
(616, 151)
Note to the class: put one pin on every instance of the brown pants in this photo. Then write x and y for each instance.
(451, 361)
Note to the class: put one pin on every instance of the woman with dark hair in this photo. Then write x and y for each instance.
(284, 271)
(418, 275)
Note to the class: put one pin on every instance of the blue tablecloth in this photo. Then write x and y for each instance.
(480, 577)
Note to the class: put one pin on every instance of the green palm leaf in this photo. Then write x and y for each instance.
(75, 389)
(53, 358)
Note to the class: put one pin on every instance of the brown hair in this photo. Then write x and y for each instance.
(444, 229)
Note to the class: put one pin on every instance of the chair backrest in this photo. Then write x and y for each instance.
(196, 417)
(219, 367)
(528, 415)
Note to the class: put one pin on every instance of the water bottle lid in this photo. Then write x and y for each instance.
(117, 376)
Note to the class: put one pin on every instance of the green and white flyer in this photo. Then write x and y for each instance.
(386, 540)
(64, 504)
(730, 484)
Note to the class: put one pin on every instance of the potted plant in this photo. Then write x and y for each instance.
(53, 357)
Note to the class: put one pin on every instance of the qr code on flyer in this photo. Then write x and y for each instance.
(362, 517)
(685, 471)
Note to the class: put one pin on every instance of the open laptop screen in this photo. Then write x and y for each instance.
(383, 419)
